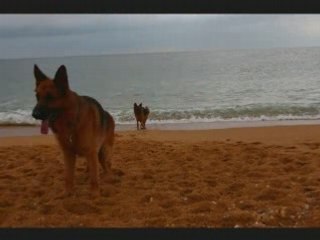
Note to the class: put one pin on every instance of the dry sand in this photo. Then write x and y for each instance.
(246, 177)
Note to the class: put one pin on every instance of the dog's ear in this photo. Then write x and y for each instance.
(61, 79)
(140, 105)
(40, 76)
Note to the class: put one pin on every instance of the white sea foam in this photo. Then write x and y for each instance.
(23, 117)
(18, 117)
(239, 114)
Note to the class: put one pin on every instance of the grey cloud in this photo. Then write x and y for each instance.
(60, 35)
(42, 25)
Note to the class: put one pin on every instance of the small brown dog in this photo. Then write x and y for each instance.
(141, 114)
(79, 123)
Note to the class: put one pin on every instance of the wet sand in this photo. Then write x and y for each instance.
(236, 177)
(31, 130)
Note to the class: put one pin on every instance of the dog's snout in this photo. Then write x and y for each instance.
(39, 113)
(36, 114)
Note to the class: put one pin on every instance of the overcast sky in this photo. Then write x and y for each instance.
(37, 35)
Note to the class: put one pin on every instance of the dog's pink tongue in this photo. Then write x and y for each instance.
(44, 126)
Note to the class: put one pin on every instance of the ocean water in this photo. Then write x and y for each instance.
(179, 87)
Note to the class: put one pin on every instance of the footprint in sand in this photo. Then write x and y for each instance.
(8, 177)
(5, 203)
(29, 172)
(108, 191)
(168, 204)
(46, 209)
(291, 147)
(211, 182)
(38, 192)
(312, 145)
(202, 207)
(80, 207)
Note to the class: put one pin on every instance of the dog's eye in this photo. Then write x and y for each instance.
(49, 98)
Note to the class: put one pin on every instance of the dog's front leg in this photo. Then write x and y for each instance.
(137, 125)
(92, 159)
(69, 162)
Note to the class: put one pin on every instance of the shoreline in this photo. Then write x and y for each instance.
(285, 135)
(27, 130)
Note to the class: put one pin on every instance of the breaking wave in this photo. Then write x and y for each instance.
(251, 113)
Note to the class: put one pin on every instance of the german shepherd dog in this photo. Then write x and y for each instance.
(141, 114)
(79, 123)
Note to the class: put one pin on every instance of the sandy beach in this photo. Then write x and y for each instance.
(236, 177)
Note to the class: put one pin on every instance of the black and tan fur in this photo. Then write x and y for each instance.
(79, 123)
(141, 113)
